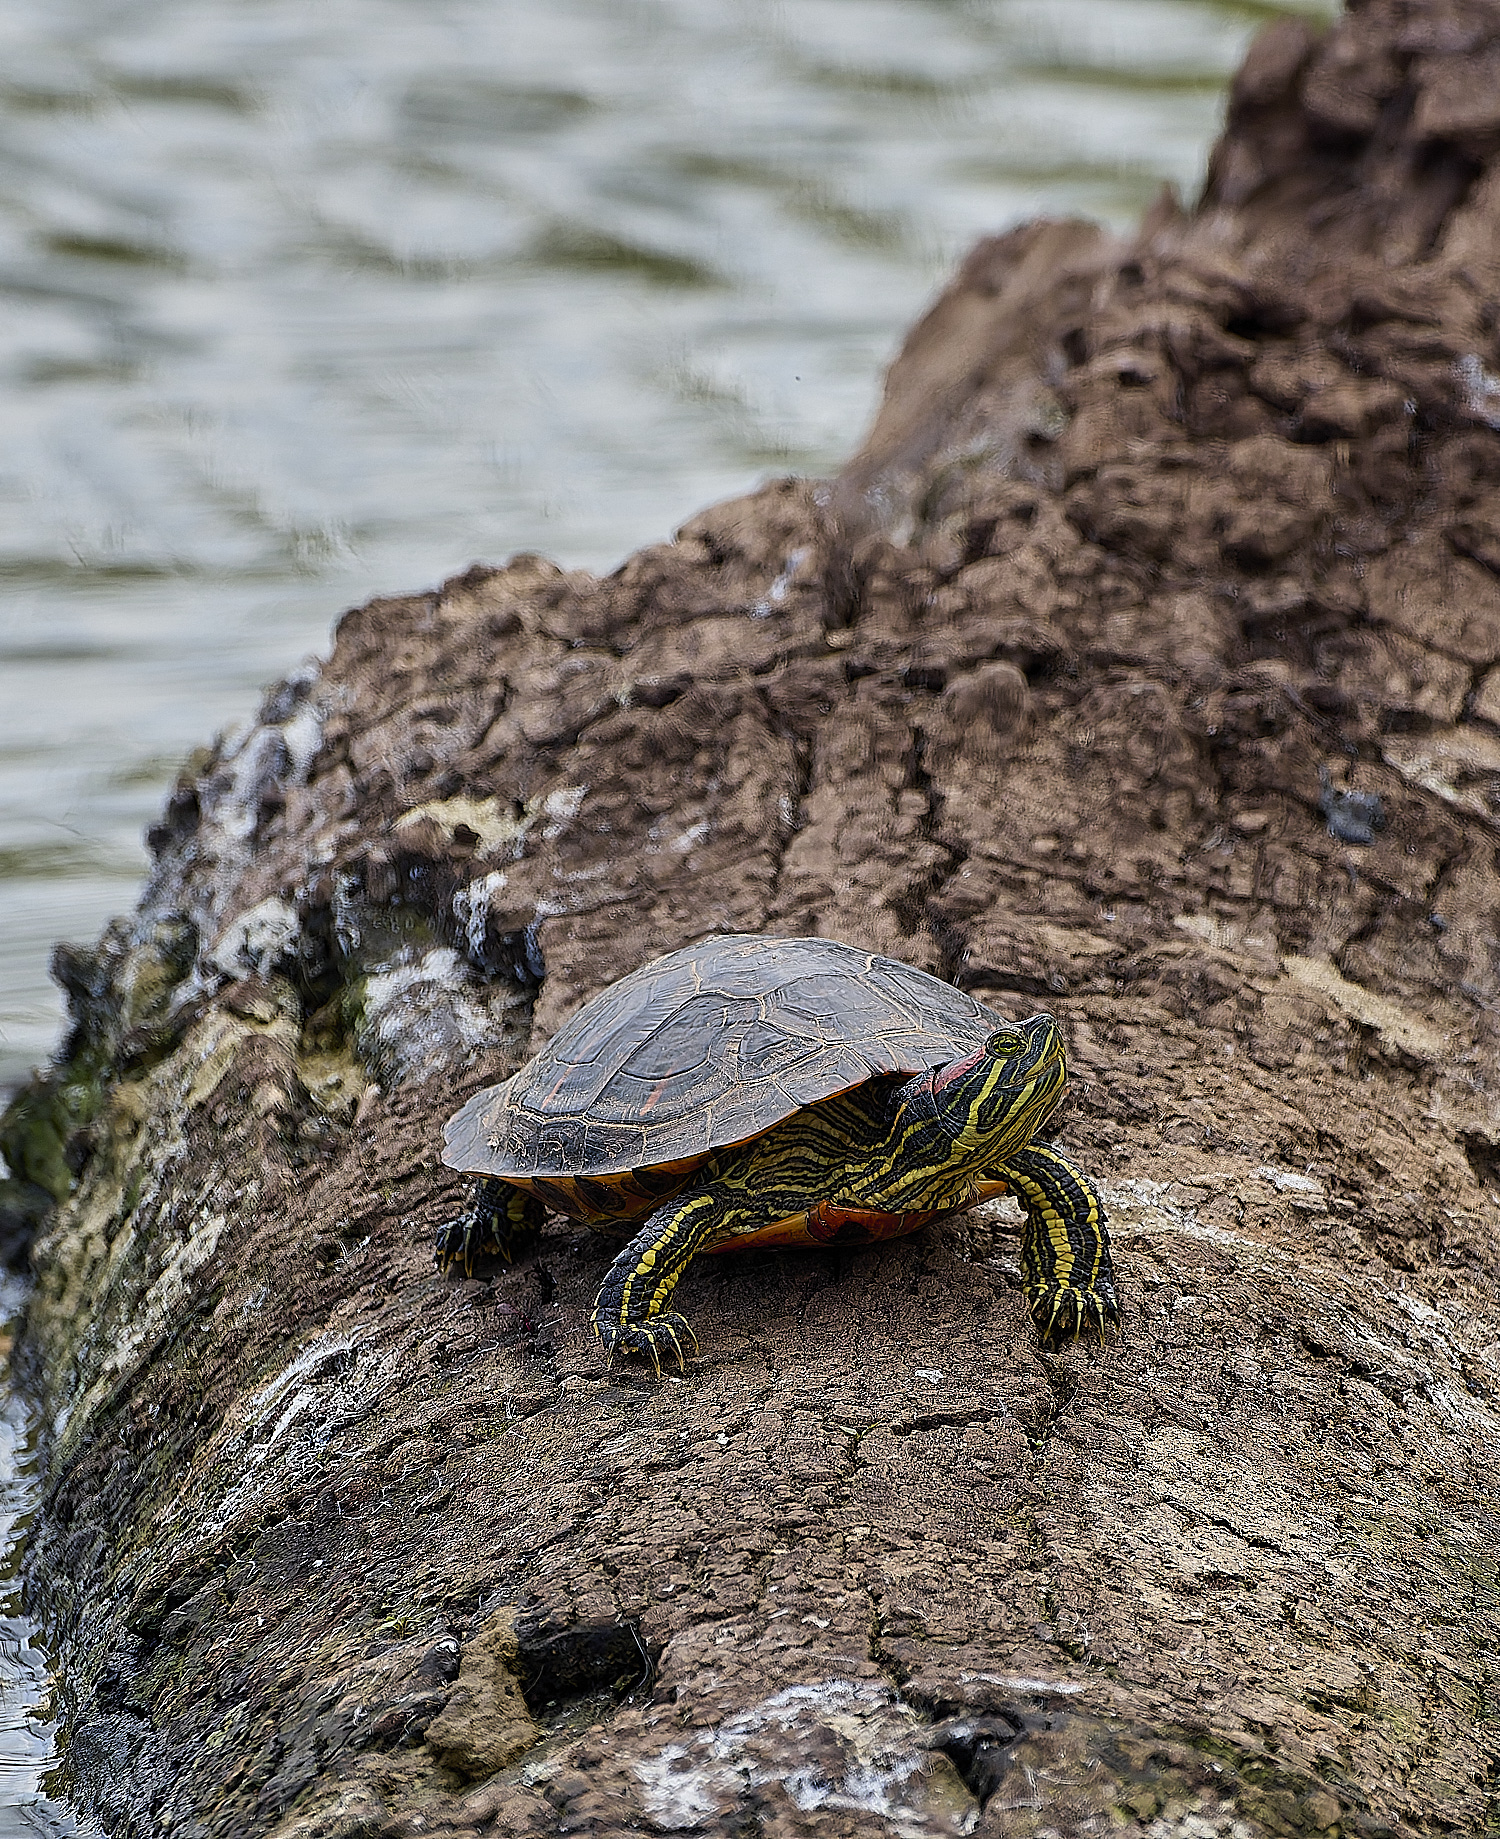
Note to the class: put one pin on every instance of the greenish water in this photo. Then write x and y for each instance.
(305, 303)
(27, 1757)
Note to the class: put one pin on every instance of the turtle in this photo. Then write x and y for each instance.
(752, 1090)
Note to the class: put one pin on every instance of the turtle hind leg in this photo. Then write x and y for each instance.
(1065, 1261)
(501, 1221)
(630, 1312)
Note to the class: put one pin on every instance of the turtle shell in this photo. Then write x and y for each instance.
(706, 1047)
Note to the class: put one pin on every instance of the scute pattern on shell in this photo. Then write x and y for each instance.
(708, 1046)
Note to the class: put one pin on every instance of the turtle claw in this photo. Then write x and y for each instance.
(650, 1338)
(1063, 1313)
(498, 1225)
(454, 1245)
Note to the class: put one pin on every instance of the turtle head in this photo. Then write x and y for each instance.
(994, 1102)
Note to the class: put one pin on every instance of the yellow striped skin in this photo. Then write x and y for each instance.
(1065, 1251)
(883, 1159)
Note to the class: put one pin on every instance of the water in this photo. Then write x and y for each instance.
(305, 303)
(27, 1757)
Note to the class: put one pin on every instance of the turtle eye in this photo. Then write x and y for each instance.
(1004, 1042)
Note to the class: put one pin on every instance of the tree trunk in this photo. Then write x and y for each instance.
(1144, 666)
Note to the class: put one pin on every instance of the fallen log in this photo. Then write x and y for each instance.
(1143, 665)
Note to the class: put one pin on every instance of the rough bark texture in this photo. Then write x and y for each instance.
(1145, 664)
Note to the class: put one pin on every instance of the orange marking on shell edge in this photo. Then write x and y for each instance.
(828, 1224)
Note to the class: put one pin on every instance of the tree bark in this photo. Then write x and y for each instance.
(1144, 665)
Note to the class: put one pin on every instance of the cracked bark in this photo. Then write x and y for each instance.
(1036, 695)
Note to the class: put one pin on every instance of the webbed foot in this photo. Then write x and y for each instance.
(657, 1335)
(630, 1313)
(501, 1223)
(1065, 1261)
(1064, 1313)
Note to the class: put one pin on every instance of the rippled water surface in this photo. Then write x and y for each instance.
(306, 302)
(26, 1752)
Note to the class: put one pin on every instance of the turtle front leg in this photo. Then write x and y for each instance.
(1070, 1281)
(630, 1313)
(500, 1221)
